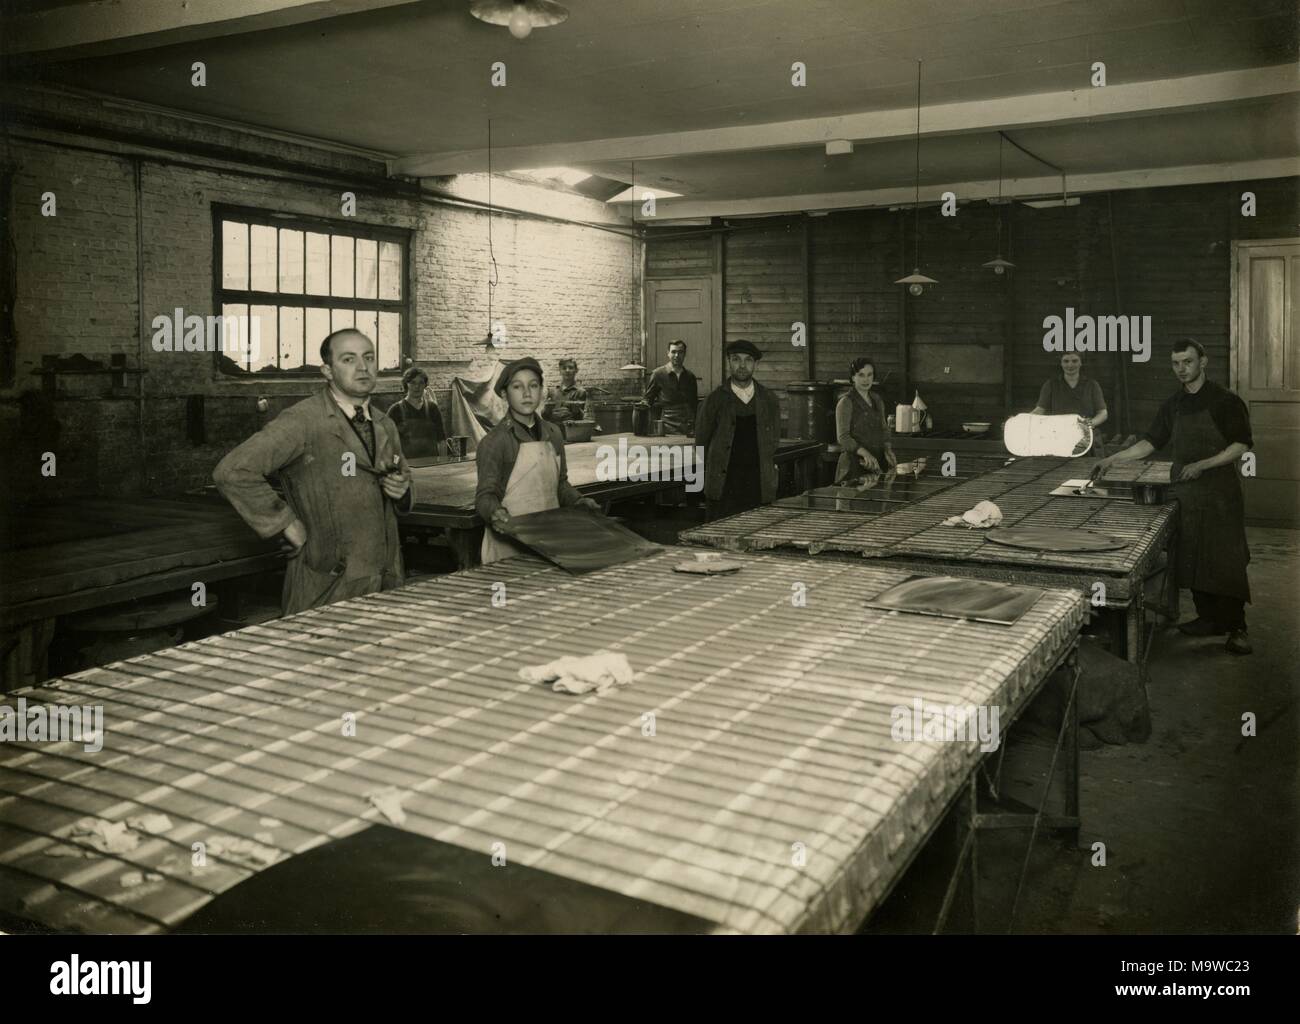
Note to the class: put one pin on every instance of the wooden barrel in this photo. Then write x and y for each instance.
(614, 417)
(812, 410)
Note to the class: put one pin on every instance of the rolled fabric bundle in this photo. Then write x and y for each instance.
(1027, 435)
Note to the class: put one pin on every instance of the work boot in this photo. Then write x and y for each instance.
(1200, 627)
(1238, 643)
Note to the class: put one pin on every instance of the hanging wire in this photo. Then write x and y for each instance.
(916, 204)
(999, 165)
(492, 281)
(1065, 194)
(1000, 210)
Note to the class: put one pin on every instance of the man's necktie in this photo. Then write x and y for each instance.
(362, 425)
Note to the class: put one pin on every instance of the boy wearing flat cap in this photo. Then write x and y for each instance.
(521, 464)
(739, 428)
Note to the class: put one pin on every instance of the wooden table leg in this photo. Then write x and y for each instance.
(466, 545)
(25, 654)
(1171, 592)
(1072, 760)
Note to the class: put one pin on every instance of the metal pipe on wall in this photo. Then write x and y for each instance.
(137, 173)
(1125, 398)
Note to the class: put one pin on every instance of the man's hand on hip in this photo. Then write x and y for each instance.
(295, 537)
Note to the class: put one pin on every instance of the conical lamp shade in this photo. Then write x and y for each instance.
(916, 277)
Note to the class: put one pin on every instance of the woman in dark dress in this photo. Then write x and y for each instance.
(1073, 392)
(419, 423)
(862, 427)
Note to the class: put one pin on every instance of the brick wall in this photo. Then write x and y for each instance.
(133, 239)
(1172, 249)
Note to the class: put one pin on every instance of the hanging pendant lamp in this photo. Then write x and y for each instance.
(916, 281)
(997, 264)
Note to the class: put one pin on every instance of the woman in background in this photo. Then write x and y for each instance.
(419, 423)
(862, 426)
(1073, 393)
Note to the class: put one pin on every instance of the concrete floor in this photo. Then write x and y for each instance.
(1201, 824)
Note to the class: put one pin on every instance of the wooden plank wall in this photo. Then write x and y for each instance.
(957, 329)
(855, 259)
(764, 286)
(1171, 261)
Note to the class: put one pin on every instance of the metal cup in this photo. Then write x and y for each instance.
(458, 445)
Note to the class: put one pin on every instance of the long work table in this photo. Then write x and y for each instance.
(900, 523)
(444, 488)
(66, 557)
(746, 780)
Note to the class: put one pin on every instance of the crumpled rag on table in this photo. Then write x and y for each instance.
(597, 672)
(983, 516)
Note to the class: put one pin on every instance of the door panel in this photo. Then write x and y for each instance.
(683, 308)
(1266, 373)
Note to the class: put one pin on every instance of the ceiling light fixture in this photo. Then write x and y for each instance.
(520, 16)
(997, 264)
(916, 281)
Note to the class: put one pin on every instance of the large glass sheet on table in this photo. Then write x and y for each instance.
(1054, 538)
(952, 598)
(577, 540)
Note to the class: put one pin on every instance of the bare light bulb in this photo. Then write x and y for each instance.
(916, 289)
(999, 270)
(520, 24)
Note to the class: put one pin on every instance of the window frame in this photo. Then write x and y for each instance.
(222, 296)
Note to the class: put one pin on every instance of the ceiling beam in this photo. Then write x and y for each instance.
(99, 27)
(668, 210)
(1035, 110)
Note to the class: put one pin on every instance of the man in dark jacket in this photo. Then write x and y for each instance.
(339, 459)
(674, 391)
(739, 428)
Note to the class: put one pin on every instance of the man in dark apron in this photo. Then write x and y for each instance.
(739, 429)
(1209, 428)
(674, 391)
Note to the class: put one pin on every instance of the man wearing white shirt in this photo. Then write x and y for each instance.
(739, 428)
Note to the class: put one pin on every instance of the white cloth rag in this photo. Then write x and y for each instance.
(983, 516)
(597, 672)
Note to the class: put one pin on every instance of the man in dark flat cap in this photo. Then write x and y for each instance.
(739, 428)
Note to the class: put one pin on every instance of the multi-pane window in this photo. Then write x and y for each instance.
(302, 279)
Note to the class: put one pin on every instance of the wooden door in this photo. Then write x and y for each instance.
(683, 307)
(1266, 372)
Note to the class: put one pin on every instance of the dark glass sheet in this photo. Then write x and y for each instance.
(577, 540)
(386, 881)
(1054, 538)
(946, 596)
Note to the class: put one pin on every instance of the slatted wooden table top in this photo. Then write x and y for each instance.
(53, 553)
(915, 531)
(771, 728)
